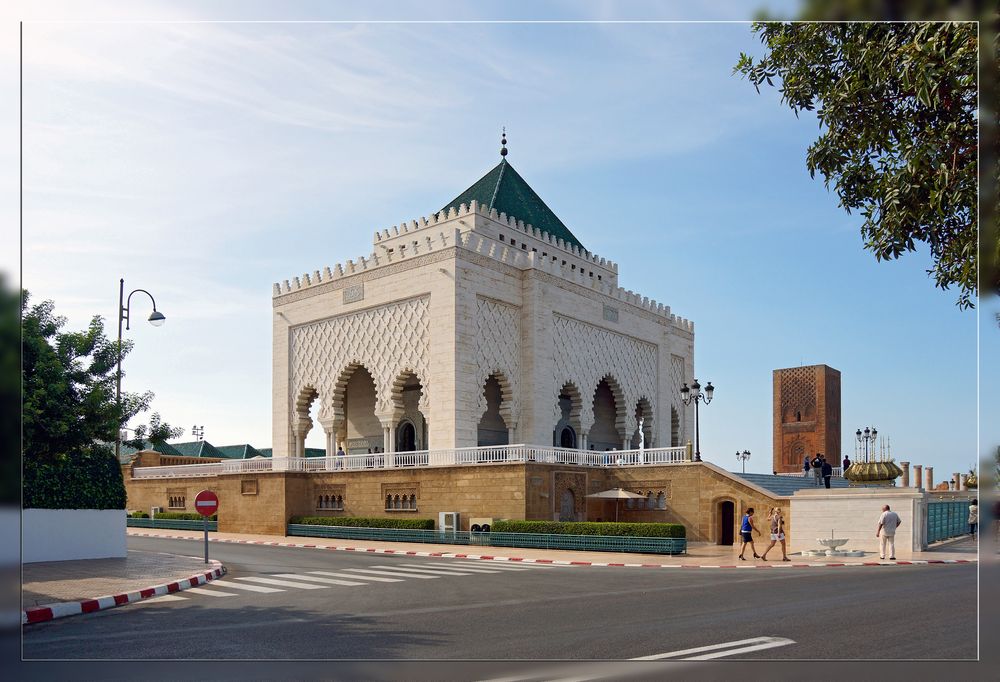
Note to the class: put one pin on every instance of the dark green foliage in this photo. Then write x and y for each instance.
(897, 108)
(10, 398)
(138, 515)
(90, 479)
(358, 522)
(158, 431)
(181, 516)
(640, 530)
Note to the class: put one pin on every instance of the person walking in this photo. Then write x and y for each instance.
(888, 522)
(805, 467)
(973, 517)
(747, 529)
(846, 465)
(817, 468)
(827, 470)
(777, 533)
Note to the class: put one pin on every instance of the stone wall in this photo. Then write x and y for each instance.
(262, 503)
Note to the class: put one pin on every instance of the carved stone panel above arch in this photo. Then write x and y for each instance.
(385, 340)
(498, 351)
(585, 353)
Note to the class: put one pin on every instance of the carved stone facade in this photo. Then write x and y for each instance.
(806, 408)
(395, 351)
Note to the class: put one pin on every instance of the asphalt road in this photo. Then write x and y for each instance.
(264, 609)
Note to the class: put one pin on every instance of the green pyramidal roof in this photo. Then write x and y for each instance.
(506, 191)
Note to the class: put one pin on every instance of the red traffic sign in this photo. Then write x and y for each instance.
(206, 503)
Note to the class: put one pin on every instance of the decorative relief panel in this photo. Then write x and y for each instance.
(354, 293)
(498, 349)
(676, 382)
(387, 340)
(610, 314)
(798, 391)
(584, 354)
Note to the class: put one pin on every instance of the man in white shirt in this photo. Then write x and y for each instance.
(886, 532)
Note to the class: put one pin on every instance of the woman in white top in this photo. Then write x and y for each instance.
(973, 517)
(777, 533)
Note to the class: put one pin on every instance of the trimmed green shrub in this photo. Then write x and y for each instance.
(359, 522)
(138, 515)
(184, 516)
(90, 479)
(641, 530)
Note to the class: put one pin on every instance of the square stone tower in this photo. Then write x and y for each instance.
(806, 416)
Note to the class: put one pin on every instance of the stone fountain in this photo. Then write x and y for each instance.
(831, 544)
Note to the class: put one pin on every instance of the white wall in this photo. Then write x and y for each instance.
(853, 513)
(63, 534)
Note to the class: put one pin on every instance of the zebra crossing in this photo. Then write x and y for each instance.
(389, 572)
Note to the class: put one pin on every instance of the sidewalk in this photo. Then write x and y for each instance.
(53, 589)
(699, 554)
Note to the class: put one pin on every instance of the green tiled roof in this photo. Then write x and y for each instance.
(506, 191)
(197, 448)
(244, 451)
(162, 448)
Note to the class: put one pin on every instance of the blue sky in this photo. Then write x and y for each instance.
(205, 161)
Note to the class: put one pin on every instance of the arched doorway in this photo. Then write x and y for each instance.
(609, 417)
(567, 506)
(727, 522)
(406, 437)
(492, 429)
(356, 393)
(567, 439)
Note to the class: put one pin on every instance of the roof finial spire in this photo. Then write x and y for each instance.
(503, 142)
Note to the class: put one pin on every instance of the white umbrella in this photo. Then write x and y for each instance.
(616, 494)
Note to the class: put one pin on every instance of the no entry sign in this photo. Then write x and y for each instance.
(206, 503)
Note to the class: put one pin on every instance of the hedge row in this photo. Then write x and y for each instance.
(642, 530)
(91, 479)
(359, 522)
(138, 515)
(181, 516)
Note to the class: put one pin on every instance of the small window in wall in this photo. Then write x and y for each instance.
(402, 501)
(544, 255)
(564, 262)
(248, 486)
(598, 277)
(572, 266)
(591, 273)
(175, 502)
(798, 416)
(661, 501)
(534, 249)
(650, 500)
(524, 247)
(501, 238)
(630, 503)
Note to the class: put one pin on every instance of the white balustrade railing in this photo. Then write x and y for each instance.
(178, 471)
(837, 471)
(496, 454)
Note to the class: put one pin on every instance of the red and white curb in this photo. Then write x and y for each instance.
(558, 562)
(41, 614)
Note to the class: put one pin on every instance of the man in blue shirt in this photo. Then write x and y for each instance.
(747, 528)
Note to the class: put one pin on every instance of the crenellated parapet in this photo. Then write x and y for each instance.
(474, 229)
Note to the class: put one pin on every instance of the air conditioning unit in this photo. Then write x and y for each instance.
(448, 523)
(480, 524)
(153, 511)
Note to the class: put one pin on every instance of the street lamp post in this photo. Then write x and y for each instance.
(868, 436)
(694, 395)
(743, 456)
(156, 319)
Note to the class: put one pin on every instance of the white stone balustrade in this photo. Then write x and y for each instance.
(497, 454)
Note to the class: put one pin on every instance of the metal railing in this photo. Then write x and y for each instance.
(947, 519)
(596, 543)
(496, 454)
(837, 473)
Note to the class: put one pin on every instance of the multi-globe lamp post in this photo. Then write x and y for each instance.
(743, 457)
(156, 318)
(864, 438)
(694, 395)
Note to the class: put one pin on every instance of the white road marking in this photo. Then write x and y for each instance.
(282, 583)
(163, 597)
(357, 577)
(729, 649)
(211, 593)
(503, 563)
(392, 574)
(453, 569)
(422, 570)
(250, 588)
(487, 566)
(317, 579)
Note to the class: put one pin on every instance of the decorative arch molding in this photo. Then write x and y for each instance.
(576, 406)
(498, 353)
(584, 354)
(507, 399)
(301, 421)
(625, 422)
(325, 353)
(644, 406)
(396, 393)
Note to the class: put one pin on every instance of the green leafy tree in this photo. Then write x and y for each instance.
(68, 401)
(897, 108)
(10, 394)
(158, 431)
